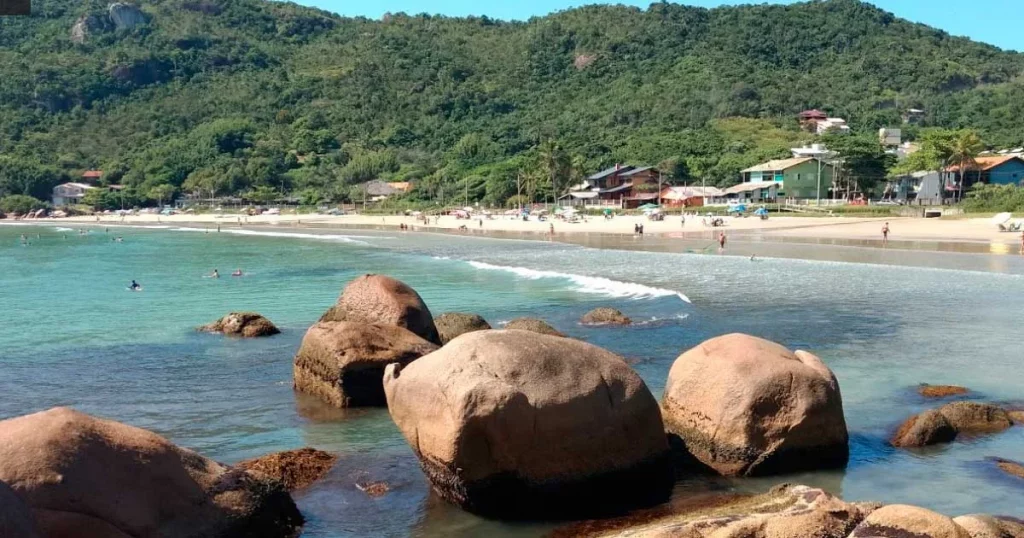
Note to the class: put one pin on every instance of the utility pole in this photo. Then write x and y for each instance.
(519, 191)
(659, 188)
(819, 181)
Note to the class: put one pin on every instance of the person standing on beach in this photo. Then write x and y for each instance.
(885, 234)
(551, 229)
(1022, 243)
(721, 240)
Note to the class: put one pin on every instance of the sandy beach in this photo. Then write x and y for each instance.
(969, 230)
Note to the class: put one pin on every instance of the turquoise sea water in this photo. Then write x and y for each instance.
(73, 335)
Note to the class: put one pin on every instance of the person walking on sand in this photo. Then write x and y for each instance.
(721, 240)
(551, 229)
(885, 234)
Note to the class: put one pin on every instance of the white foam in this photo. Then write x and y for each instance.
(59, 229)
(261, 233)
(588, 284)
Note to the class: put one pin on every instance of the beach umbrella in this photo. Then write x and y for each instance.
(648, 206)
(761, 211)
(607, 211)
(1001, 218)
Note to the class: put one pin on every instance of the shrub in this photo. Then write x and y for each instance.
(21, 204)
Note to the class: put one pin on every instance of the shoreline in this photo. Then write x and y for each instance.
(966, 244)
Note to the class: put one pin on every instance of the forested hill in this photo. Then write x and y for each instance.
(231, 95)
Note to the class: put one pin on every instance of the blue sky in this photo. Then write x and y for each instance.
(997, 22)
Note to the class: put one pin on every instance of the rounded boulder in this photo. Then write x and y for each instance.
(342, 362)
(605, 316)
(948, 422)
(93, 478)
(244, 324)
(508, 423)
(745, 406)
(533, 325)
(384, 300)
(903, 521)
(454, 324)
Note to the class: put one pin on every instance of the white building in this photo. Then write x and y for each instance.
(814, 151)
(69, 193)
(890, 137)
(832, 125)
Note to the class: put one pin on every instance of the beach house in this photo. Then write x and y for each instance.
(690, 196)
(618, 186)
(69, 193)
(798, 177)
(992, 169)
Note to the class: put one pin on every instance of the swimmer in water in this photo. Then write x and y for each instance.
(238, 272)
(135, 286)
(215, 274)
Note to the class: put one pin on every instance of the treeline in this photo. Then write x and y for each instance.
(228, 97)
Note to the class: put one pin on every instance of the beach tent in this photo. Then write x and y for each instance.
(738, 208)
(1001, 218)
(648, 206)
(761, 211)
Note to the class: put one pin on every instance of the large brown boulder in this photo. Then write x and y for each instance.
(93, 478)
(510, 423)
(533, 325)
(786, 511)
(384, 300)
(15, 517)
(605, 316)
(295, 469)
(946, 423)
(244, 324)
(903, 521)
(454, 324)
(342, 362)
(746, 406)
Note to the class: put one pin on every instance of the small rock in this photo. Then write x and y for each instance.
(244, 324)
(903, 521)
(928, 428)
(295, 469)
(533, 325)
(1011, 468)
(374, 489)
(454, 324)
(941, 391)
(605, 316)
(1016, 416)
(946, 423)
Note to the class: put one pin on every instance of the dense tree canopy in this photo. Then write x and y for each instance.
(217, 97)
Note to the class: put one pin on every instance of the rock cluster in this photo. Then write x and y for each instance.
(946, 423)
(92, 478)
(746, 406)
(244, 324)
(512, 424)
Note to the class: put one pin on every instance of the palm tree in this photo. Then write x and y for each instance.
(964, 149)
(552, 160)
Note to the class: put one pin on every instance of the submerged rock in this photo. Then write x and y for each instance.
(605, 316)
(940, 391)
(533, 325)
(295, 469)
(244, 324)
(15, 517)
(787, 511)
(507, 423)
(93, 478)
(903, 521)
(343, 362)
(946, 423)
(1011, 468)
(454, 324)
(384, 300)
(746, 406)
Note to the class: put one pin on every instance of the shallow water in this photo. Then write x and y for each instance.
(74, 336)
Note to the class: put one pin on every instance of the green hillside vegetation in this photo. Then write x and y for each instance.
(224, 97)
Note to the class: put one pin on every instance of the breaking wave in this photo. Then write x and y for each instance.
(588, 284)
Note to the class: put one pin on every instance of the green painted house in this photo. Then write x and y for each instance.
(799, 176)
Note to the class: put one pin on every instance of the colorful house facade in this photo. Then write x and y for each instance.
(992, 170)
(797, 177)
(618, 186)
